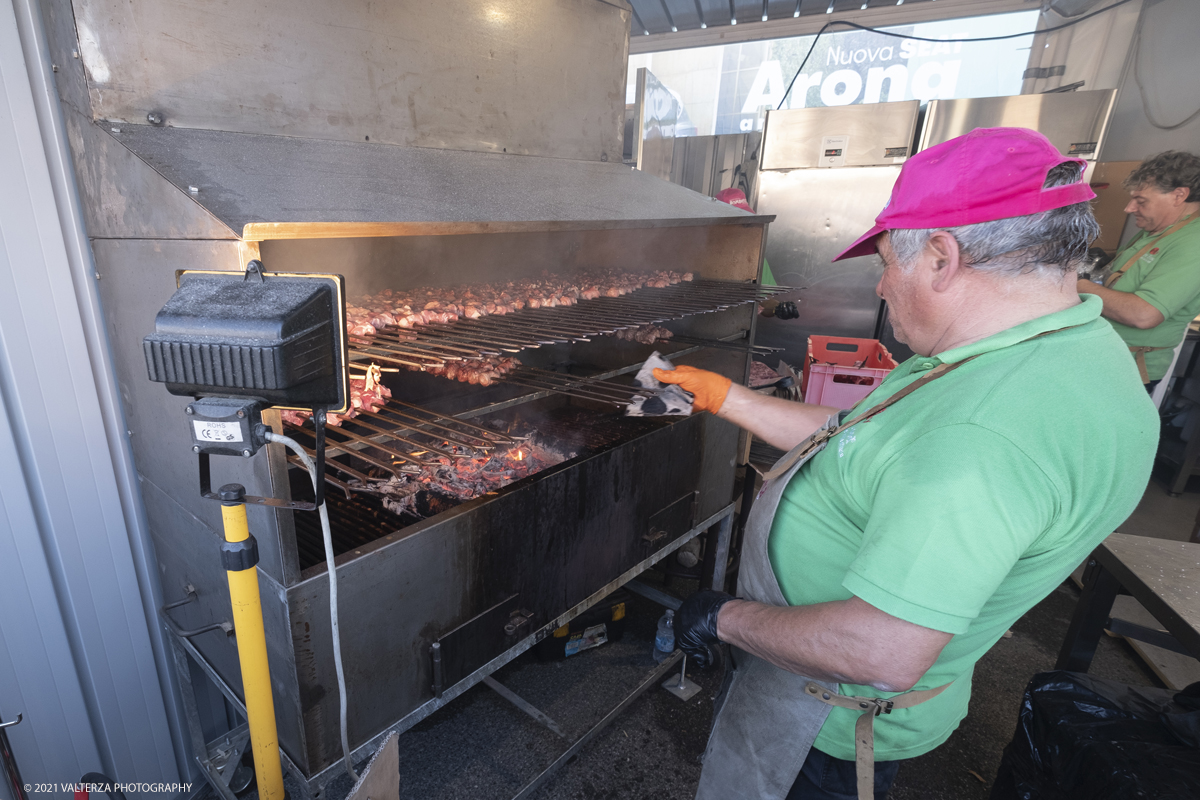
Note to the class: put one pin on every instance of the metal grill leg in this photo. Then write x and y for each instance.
(720, 553)
(524, 705)
(655, 676)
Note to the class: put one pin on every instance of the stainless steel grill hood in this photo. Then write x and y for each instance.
(257, 186)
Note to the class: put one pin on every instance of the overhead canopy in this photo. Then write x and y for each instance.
(266, 187)
(661, 16)
(676, 24)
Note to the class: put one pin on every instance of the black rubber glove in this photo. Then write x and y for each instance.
(696, 625)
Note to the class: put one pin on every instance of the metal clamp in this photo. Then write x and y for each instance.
(16, 721)
(182, 634)
(517, 620)
(882, 706)
(191, 597)
(207, 493)
(435, 650)
(654, 536)
(238, 556)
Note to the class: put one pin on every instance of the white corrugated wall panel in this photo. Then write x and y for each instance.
(77, 657)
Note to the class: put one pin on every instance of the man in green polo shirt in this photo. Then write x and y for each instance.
(1153, 289)
(877, 571)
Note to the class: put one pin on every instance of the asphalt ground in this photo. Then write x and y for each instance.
(482, 748)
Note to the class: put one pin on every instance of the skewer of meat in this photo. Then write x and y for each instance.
(406, 308)
(644, 334)
(366, 392)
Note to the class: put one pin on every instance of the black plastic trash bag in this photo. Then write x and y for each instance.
(1083, 738)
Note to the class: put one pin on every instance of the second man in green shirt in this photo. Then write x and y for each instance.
(1153, 289)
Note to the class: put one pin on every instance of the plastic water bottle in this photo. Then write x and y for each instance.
(664, 640)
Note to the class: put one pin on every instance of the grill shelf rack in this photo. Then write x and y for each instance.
(435, 344)
(415, 431)
(398, 437)
(402, 434)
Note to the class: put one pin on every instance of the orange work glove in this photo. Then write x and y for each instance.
(709, 388)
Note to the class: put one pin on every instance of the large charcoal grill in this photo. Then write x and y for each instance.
(273, 146)
(487, 577)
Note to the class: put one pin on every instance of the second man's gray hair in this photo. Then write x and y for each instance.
(1049, 244)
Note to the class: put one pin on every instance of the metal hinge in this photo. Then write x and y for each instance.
(516, 620)
(654, 536)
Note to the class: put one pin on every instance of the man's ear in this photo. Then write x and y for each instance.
(1181, 194)
(947, 262)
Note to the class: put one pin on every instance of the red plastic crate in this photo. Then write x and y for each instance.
(840, 371)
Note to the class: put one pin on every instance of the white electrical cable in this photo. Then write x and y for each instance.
(295, 447)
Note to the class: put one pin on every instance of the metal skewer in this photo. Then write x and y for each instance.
(500, 437)
(394, 434)
(415, 340)
(567, 390)
(460, 338)
(465, 327)
(393, 359)
(337, 465)
(598, 382)
(421, 349)
(395, 452)
(335, 446)
(540, 326)
(487, 444)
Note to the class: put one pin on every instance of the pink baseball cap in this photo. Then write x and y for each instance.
(734, 197)
(985, 175)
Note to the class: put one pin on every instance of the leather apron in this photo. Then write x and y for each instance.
(766, 722)
(768, 718)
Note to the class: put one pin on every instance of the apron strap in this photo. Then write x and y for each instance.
(1139, 355)
(808, 445)
(820, 437)
(1116, 276)
(864, 728)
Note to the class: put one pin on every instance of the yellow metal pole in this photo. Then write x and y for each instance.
(239, 555)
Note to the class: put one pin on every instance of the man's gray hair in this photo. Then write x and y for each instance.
(1050, 243)
(1168, 171)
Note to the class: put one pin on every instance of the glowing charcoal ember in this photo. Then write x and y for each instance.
(461, 479)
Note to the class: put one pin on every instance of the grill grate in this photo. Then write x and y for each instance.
(604, 391)
(400, 435)
(358, 518)
(353, 523)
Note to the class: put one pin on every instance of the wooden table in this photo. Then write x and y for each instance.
(1164, 576)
